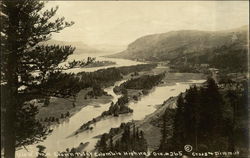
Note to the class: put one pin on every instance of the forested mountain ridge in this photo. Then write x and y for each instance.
(170, 45)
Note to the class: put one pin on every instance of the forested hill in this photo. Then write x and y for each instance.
(170, 45)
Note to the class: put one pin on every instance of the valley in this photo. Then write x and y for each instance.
(125, 79)
(120, 96)
(79, 114)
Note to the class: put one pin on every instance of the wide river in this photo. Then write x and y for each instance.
(58, 140)
(119, 63)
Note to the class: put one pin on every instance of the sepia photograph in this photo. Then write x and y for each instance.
(124, 79)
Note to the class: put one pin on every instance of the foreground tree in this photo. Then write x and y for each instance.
(28, 69)
(206, 113)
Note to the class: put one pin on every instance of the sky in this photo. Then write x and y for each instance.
(122, 22)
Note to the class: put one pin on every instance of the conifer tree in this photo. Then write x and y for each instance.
(28, 68)
(111, 143)
(179, 134)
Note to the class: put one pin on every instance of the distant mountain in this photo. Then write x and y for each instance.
(81, 48)
(109, 48)
(173, 44)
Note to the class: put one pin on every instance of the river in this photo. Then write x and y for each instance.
(58, 140)
(119, 63)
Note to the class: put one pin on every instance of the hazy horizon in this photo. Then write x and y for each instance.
(122, 22)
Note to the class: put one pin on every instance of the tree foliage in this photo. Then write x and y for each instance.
(143, 82)
(130, 138)
(209, 119)
(28, 65)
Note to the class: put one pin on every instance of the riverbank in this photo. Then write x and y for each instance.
(151, 124)
(59, 107)
(99, 64)
(142, 107)
(135, 94)
(148, 129)
(132, 90)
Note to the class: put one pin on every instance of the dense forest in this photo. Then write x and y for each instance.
(61, 84)
(228, 58)
(68, 83)
(120, 107)
(105, 77)
(96, 91)
(209, 119)
(130, 139)
(124, 141)
(145, 82)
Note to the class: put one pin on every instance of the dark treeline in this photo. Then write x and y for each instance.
(125, 141)
(97, 91)
(209, 119)
(229, 58)
(136, 68)
(80, 63)
(101, 63)
(145, 82)
(120, 107)
(106, 77)
(126, 138)
(67, 83)
(53, 119)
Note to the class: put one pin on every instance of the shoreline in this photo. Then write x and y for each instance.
(133, 95)
(59, 106)
(87, 126)
(60, 109)
(148, 127)
(150, 124)
(170, 78)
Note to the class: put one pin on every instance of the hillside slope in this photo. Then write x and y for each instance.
(170, 45)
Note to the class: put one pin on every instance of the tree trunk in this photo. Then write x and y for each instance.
(11, 106)
(233, 135)
(12, 82)
(9, 139)
(196, 139)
